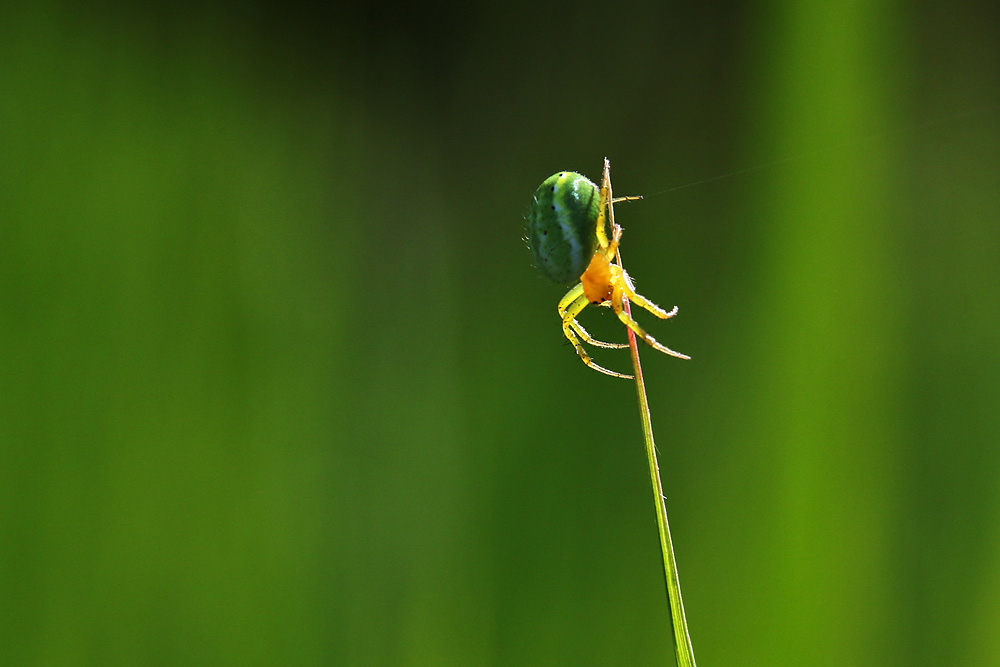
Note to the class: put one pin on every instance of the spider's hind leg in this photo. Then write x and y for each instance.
(587, 338)
(570, 306)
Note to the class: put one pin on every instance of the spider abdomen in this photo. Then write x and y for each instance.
(562, 225)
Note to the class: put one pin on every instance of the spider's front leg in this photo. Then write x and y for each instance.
(612, 248)
(602, 237)
(587, 338)
(629, 293)
(621, 290)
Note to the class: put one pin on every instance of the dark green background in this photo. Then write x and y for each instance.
(279, 385)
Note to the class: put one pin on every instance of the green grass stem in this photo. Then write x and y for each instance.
(683, 650)
(682, 639)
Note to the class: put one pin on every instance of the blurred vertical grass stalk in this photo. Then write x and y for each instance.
(164, 448)
(831, 298)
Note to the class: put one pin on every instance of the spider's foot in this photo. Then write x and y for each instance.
(653, 343)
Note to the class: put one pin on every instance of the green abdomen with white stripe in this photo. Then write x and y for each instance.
(562, 225)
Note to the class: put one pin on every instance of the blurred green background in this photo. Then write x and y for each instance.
(279, 384)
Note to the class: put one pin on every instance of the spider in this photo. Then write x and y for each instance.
(567, 232)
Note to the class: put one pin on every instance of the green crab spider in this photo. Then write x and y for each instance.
(567, 232)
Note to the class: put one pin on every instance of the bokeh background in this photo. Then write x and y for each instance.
(280, 386)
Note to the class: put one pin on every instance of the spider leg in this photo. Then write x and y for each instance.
(616, 302)
(621, 285)
(609, 252)
(602, 238)
(609, 249)
(626, 198)
(629, 289)
(578, 328)
(607, 208)
(567, 300)
(569, 307)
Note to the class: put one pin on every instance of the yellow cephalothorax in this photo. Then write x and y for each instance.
(568, 233)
